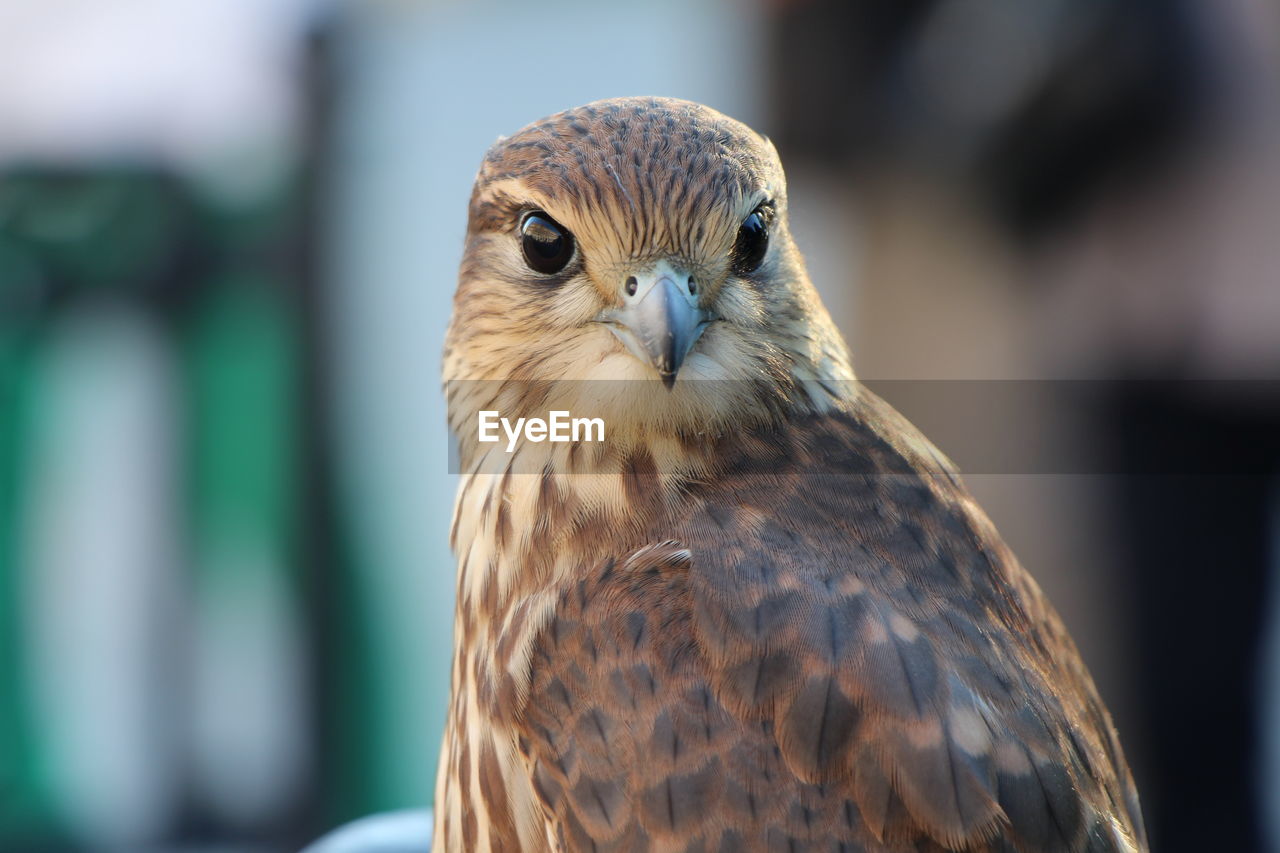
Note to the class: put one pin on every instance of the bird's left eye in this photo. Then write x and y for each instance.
(752, 243)
(547, 245)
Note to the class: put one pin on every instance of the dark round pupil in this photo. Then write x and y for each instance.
(752, 242)
(547, 246)
(543, 238)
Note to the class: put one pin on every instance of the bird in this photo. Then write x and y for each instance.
(762, 612)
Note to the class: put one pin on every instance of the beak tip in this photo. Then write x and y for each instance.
(669, 380)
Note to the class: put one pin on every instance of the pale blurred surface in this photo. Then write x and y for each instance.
(392, 832)
(229, 233)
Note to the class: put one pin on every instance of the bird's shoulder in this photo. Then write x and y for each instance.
(822, 649)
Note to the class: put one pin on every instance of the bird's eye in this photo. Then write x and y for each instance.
(752, 243)
(547, 245)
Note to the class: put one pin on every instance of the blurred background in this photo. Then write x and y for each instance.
(229, 232)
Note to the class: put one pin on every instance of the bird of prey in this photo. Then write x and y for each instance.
(763, 613)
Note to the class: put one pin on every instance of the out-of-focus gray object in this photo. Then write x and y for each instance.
(393, 832)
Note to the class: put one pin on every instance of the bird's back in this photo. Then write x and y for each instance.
(827, 647)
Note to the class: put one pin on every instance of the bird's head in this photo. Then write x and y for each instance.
(645, 240)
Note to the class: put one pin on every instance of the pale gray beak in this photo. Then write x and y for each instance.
(659, 320)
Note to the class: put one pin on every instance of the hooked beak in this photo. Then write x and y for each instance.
(659, 320)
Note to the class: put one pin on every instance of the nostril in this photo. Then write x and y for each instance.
(632, 284)
(693, 287)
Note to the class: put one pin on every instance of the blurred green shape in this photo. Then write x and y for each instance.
(243, 400)
(367, 747)
(113, 228)
(27, 814)
(243, 409)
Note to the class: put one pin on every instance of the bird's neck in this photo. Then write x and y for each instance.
(524, 496)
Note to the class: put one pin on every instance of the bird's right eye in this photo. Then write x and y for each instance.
(752, 242)
(547, 245)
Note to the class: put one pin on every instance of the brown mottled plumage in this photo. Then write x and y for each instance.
(764, 614)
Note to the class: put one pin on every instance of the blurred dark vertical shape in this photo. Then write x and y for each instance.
(1198, 552)
(1042, 114)
(318, 545)
(341, 664)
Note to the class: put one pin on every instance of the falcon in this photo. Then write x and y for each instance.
(763, 613)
